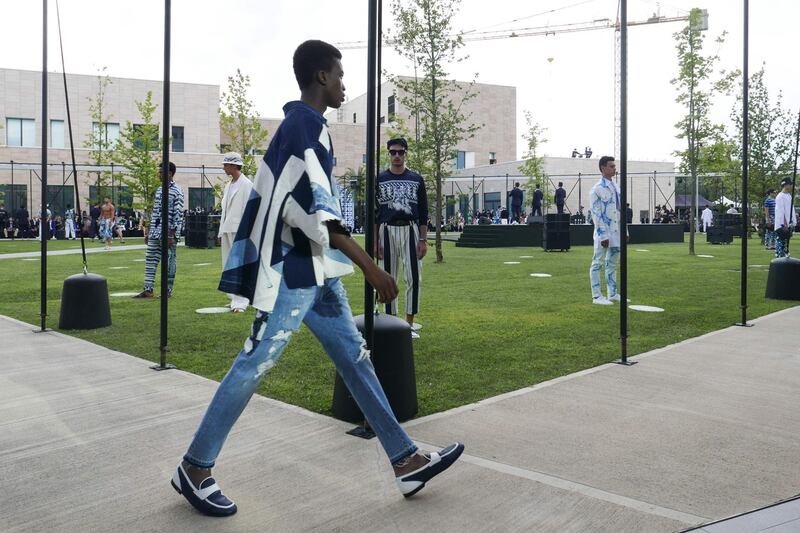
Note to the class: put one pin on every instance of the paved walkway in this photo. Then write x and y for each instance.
(695, 432)
(77, 250)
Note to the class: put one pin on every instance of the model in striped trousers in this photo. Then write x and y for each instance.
(151, 260)
(399, 243)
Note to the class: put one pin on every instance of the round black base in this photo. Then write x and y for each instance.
(84, 302)
(393, 359)
(783, 282)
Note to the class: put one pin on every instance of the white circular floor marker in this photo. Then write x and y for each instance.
(511, 262)
(123, 294)
(417, 326)
(641, 250)
(758, 266)
(526, 257)
(541, 275)
(704, 255)
(117, 268)
(213, 310)
(31, 259)
(140, 260)
(201, 264)
(646, 308)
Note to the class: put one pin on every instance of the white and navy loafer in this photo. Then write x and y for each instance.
(440, 461)
(207, 498)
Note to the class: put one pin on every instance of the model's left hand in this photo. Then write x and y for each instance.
(422, 249)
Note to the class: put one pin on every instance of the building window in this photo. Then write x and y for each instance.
(364, 158)
(20, 132)
(354, 118)
(139, 144)
(491, 200)
(108, 132)
(390, 110)
(177, 138)
(383, 119)
(461, 160)
(492, 158)
(202, 197)
(56, 134)
(14, 197)
(334, 160)
(120, 196)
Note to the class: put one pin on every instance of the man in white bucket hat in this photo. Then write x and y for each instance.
(234, 200)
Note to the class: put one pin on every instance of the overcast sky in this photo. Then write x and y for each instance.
(565, 80)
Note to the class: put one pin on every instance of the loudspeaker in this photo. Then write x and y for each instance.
(201, 231)
(555, 235)
(719, 235)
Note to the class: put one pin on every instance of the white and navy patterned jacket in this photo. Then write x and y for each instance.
(605, 210)
(175, 209)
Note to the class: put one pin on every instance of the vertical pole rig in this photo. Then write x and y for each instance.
(623, 160)
(165, 192)
(372, 121)
(745, 158)
(43, 219)
(378, 52)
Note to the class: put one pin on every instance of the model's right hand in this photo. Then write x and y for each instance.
(383, 284)
(379, 251)
(604, 243)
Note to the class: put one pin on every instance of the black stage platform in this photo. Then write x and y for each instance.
(501, 235)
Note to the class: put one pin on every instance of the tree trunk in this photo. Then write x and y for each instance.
(436, 219)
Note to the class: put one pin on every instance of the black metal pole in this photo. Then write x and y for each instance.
(745, 157)
(378, 52)
(13, 194)
(372, 43)
(623, 181)
(794, 172)
(43, 219)
(165, 188)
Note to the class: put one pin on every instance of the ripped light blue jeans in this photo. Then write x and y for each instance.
(326, 312)
(605, 258)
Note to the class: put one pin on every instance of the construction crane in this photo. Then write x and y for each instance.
(594, 25)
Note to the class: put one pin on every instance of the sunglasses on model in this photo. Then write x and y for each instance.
(397, 152)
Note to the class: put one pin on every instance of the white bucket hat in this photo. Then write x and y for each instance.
(232, 158)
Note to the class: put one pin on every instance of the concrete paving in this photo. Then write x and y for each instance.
(693, 433)
(76, 250)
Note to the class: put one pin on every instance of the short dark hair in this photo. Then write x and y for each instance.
(311, 57)
(397, 140)
(605, 159)
(172, 167)
(516, 184)
(560, 183)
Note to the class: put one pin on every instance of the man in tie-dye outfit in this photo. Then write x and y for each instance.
(604, 205)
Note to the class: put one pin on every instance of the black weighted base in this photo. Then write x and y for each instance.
(393, 359)
(625, 363)
(168, 366)
(84, 302)
(783, 282)
(362, 432)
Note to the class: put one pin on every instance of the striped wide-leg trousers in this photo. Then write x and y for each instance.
(151, 260)
(399, 244)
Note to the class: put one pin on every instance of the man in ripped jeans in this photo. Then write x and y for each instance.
(287, 258)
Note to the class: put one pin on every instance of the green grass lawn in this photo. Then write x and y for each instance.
(488, 328)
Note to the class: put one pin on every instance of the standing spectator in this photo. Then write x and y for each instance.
(707, 216)
(605, 209)
(94, 212)
(403, 231)
(43, 223)
(10, 231)
(538, 196)
(516, 202)
(785, 218)
(234, 200)
(560, 197)
(152, 238)
(769, 220)
(628, 214)
(3, 216)
(69, 223)
(23, 222)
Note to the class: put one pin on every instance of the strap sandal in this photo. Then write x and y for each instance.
(207, 498)
(411, 483)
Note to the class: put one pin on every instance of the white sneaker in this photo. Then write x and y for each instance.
(601, 300)
(414, 334)
(617, 298)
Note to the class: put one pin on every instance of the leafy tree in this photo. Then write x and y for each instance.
(771, 139)
(424, 36)
(238, 122)
(100, 147)
(138, 150)
(695, 89)
(533, 164)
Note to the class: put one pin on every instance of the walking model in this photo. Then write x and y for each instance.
(605, 210)
(234, 200)
(107, 222)
(69, 223)
(289, 252)
(154, 234)
(402, 226)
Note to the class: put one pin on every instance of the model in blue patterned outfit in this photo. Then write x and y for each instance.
(604, 206)
(769, 220)
(289, 253)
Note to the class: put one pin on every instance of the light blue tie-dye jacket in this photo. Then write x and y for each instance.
(604, 206)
